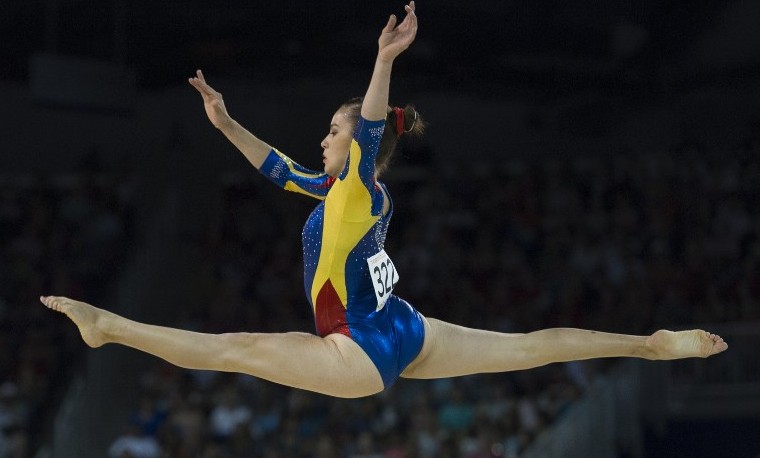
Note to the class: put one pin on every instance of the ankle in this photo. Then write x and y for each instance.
(655, 345)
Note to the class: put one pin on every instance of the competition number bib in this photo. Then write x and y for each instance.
(384, 277)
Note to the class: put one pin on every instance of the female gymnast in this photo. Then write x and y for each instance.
(367, 336)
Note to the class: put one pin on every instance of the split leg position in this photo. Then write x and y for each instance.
(337, 366)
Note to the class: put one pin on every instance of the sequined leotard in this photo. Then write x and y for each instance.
(348, 277)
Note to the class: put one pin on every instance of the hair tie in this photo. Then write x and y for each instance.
(413, 122)
(399, 120)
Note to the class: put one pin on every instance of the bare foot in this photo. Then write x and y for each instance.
(88, 319)
(685, 344)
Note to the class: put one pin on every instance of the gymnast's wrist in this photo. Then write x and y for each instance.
(225, 123)
(384, 60)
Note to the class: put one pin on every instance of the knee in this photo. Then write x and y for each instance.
(237, 352)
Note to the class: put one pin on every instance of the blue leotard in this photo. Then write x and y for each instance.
(348, 277)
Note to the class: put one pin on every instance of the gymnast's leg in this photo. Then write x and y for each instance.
(450, 350)
(334, 365)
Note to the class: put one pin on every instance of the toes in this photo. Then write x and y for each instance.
(51, 302)
(718, 344)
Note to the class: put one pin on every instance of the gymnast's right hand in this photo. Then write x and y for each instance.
(212, 101)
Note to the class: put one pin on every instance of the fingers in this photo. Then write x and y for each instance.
(195, 82)
(410, 21)
(391, 24)
(199, 83)
(199, 80)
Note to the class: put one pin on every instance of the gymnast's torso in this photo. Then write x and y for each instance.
(348, 276)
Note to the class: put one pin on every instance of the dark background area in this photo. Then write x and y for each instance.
(549, 46)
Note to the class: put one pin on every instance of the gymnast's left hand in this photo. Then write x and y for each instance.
(394, 40)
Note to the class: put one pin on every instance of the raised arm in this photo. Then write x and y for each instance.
(392, 42)
(255, 150)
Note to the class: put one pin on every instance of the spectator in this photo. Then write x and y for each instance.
(134, 443)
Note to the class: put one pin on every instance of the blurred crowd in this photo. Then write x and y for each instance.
(200, 414)
(62, 235)
(625, 243)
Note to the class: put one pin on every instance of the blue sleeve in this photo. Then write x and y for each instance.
(291, 176)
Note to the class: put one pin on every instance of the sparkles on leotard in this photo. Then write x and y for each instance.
(348, 277)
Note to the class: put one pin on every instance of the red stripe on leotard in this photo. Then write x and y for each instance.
(330, 313)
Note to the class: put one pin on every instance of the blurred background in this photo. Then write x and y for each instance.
(586, 165)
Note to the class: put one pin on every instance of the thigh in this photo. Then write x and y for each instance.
(451, 350)
(334, 365)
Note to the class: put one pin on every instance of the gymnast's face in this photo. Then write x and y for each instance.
(337, 142)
